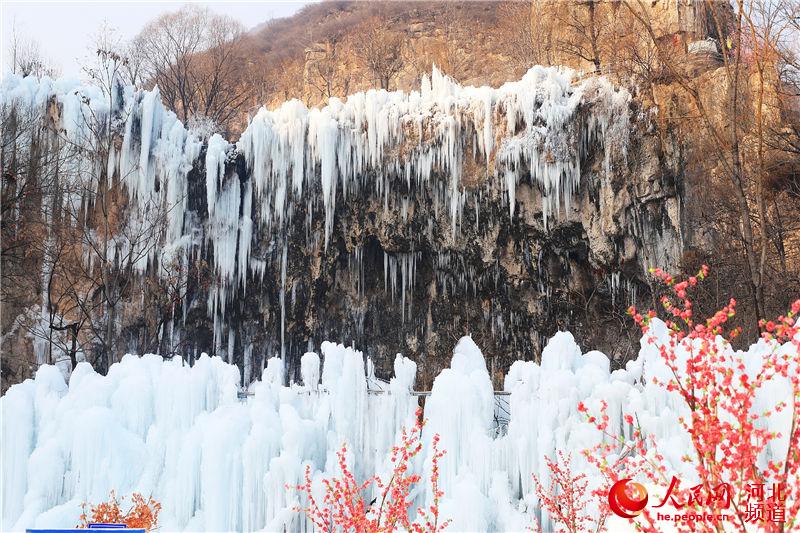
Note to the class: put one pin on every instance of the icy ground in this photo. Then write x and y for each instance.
(217, 463)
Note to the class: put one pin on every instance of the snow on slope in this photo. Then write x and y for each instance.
(218, 464)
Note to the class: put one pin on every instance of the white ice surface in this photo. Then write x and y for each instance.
(217, 463)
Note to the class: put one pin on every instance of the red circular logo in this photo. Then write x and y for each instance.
(627, 498)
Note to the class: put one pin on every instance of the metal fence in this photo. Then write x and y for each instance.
(502, 413)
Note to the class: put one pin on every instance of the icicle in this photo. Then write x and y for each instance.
(282, 298)
(216, 154)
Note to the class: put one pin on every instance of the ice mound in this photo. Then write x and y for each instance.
(218, 463)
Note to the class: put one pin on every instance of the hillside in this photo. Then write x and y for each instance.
(319, 52)
(461, 38)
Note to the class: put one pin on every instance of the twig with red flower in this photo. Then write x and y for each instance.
(143, 513)
(344, 501)
(566, 498)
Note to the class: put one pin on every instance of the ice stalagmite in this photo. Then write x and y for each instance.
(460, 410)
(216, 463)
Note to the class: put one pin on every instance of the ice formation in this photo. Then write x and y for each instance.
(216, 463)
(139, 143)
(298, 163)
(528, 124)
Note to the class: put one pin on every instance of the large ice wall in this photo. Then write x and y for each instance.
(246, 208)
(216, 463)
(389, 144)
(386, 142)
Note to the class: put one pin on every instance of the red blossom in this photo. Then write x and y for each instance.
(566, 498)
(143, 513)
(344, 508)
(726, 431)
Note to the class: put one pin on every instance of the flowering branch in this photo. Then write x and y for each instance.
(344, 506)
(143, 513)
(728, 432)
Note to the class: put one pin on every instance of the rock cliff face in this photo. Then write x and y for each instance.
(394, 221)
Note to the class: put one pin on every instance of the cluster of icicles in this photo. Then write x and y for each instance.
(380, 140)
(304, 161)
(218, 463)
(299, 159)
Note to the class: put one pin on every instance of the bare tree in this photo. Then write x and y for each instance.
(219, 79)
(381, 51)
(109, 57)
(581, 29)
(449, 52)
(134, 68)
(327, 70)
(526, 30)
(105, 64)
(26, 58)
(630, 55)
(194, 57)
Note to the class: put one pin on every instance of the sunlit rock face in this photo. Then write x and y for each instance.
(395, 221)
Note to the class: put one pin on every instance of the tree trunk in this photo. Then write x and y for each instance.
(74, 347)
(594, 33)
